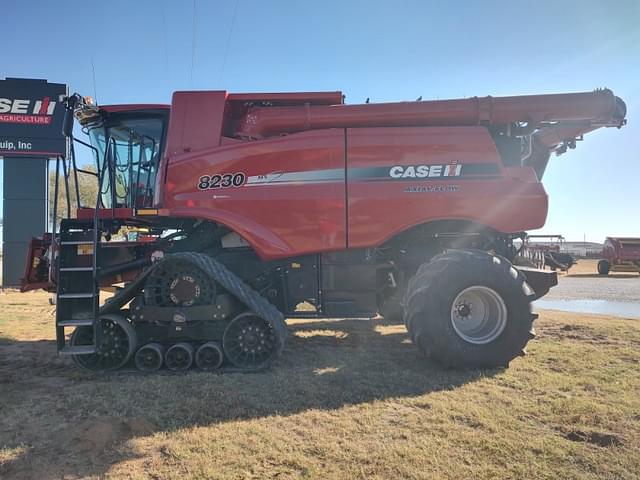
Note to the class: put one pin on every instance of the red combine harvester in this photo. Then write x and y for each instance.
(620, 255)
(263, 204)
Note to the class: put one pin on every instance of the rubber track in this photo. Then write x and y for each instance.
(232, 283)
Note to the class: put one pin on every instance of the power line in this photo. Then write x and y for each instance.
(164, 42)
(226, 48)
(193, 41)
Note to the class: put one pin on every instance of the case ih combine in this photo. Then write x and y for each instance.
(254, 204)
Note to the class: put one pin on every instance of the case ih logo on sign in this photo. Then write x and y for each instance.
(31, 117)
(27, 111)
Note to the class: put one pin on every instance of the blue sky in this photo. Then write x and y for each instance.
(144, 50)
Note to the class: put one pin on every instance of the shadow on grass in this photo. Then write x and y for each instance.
(78, 424)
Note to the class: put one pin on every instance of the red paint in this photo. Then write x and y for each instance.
(622, 249)
(44, 106)
(278, 220)
(380, 210)
(88, 213)
(601, 107)
(266, 134)
(133, 107)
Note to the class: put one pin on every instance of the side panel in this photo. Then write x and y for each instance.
(288, 197)
(402, 177)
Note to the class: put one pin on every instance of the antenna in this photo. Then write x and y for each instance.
(193, 41)
(95, 92)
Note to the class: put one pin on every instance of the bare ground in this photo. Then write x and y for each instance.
(582, 282)
(588, 267)
(348, 399)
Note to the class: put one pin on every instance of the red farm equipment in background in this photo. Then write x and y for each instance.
(620, 254)
(546, 251)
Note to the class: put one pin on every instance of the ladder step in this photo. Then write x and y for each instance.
(78, 350)
(85, 322)
(76, 269)
(77, 295)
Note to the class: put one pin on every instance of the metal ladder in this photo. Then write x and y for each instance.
(77, 272)
(78, 292)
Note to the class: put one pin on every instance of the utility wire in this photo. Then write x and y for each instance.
(165, 43)
(193, 41)
(226, 48)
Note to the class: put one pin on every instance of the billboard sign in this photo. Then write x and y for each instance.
(31, 115)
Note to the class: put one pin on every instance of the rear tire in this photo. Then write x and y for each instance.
(603, 267)
(469, 309)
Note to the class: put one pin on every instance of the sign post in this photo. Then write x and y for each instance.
(31, 114)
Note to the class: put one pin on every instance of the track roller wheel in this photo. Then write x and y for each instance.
(149, 357)
(209, 356)
(249, 341)
(179, 357)
(118, 342)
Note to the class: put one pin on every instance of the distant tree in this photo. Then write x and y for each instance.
(87, 185)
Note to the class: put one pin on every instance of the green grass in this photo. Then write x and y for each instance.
(348, 399)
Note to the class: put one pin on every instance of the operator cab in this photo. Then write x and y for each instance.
(127, 142)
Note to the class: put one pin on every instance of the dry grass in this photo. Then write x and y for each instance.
(349, 399)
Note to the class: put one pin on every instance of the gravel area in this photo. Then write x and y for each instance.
(618, 289)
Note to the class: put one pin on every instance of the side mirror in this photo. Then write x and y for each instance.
(67, 123)
(70, 106)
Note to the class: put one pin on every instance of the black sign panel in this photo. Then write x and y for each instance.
(31, 114)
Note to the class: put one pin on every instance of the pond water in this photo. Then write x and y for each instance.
(602, 307)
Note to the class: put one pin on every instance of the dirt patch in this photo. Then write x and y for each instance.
(599, 439)
(580, 333)
(94, 436)
(588, 267)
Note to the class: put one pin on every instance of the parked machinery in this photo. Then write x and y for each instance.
(261, 207)
(620, 254)
(546, 251)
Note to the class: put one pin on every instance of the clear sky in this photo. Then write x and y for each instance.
(386, 50)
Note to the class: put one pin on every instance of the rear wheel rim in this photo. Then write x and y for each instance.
(478, 315)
